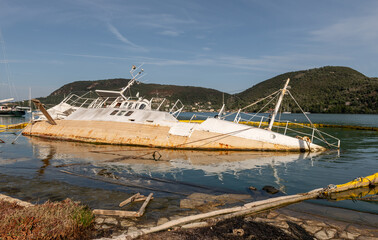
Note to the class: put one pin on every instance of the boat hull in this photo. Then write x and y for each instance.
(12, 113)
(155, 135)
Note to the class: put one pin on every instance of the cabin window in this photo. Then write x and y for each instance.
(150, 121)
(136, 106)
(121, 113)
(129, 113)
(142, 106)
(114, 112)
(132, 120)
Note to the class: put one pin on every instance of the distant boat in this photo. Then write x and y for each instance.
(6, 110)
(113, 118)
(286, 112)
(11, 112)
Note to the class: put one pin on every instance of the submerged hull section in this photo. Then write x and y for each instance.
(213, 134)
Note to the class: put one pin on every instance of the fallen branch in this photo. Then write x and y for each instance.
(135, 198)
(143, 208)
(121, 213)
(115, 213)
(129, 200)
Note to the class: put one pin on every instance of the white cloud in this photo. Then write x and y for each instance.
(123, 39)
(170, 33)
(356, 30)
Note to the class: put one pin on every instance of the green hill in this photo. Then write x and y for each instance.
(319, 90)
(190, 96)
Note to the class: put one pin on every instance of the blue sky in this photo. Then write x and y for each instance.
(226, 45)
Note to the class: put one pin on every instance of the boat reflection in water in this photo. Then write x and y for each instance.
(183, 165)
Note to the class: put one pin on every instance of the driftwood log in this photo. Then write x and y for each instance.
(121, 213)
(134, 198)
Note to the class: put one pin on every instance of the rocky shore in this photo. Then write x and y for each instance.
(298, 221)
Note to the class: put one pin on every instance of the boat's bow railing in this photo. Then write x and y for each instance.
(304, 131)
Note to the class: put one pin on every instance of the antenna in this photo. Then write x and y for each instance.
(137, 73)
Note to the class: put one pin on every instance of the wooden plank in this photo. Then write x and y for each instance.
(115, 213)
(39, 105)
(130, 199)
(142, 209)
(140, 199)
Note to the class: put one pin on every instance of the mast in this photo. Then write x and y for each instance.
(135, 78)
(30, 105)
(278, 104)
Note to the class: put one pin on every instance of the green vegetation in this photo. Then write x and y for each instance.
(190, 96)
(51, 220)
(319, 90)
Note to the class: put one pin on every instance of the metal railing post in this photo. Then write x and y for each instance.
(261, 121)
(287, 123)
(312, 136)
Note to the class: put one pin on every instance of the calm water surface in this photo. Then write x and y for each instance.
(102, 176)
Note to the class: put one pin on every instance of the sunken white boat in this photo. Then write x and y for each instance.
(114, 118)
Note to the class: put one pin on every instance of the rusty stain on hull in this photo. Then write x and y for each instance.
(146, 135)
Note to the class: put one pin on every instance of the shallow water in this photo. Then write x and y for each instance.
(101, 176)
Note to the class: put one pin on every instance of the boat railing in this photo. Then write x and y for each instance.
(157, 103)
(303, 131)
(80, 101)
(176, 108)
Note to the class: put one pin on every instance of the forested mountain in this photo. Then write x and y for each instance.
(319, 90)
(204, 98)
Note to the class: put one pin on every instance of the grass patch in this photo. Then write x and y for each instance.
(52, 220)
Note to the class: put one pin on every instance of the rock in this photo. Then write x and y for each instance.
(331, 232)
(280, 224)
(238, 232)
(325, 234)
(111, 220)
(367, 238)
(270, 189)
(293, 219)
(272, 215)
(348, 235)
(315, 223)
(127, 223)
(132, 229)
(104, 172)
(105, 226)
(311, 229)
(99, 220)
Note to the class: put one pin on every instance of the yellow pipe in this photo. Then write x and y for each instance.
(15, 126)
